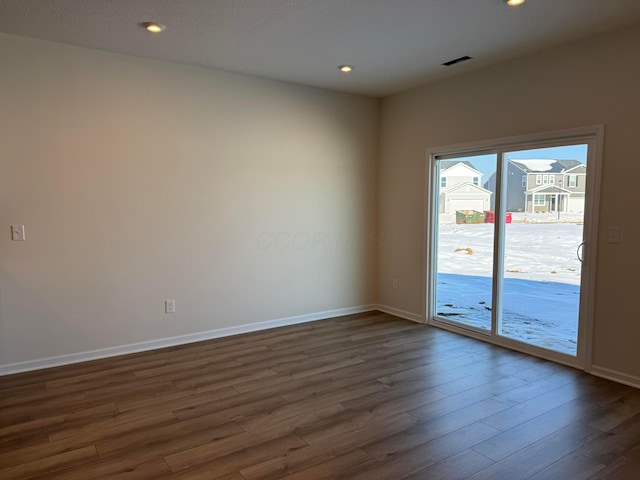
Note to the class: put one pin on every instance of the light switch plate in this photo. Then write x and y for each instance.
(17, 233)
(170, 306)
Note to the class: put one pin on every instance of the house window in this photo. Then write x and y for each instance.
(538, 179)
(443, 182)
(524, 181)
(573, 180)
(545, 179)
(552, 179)
(538, 200)
(476, 180)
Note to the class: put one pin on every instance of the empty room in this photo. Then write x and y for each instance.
(318, 239)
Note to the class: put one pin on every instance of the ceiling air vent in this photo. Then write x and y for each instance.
(456, 60)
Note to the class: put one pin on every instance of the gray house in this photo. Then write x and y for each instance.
(543, 185)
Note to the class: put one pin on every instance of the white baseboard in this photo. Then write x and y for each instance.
(414, 317)
(56, 361)
(616, 376)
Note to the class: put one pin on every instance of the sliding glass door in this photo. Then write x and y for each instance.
(542, 270)
(507, 243)
(465, 241)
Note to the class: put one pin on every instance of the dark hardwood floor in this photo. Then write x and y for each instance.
(367, 396)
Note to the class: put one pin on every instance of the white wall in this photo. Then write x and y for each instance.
(594, 81)
(140, 180)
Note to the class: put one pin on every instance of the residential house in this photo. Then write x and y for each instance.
(544, 185)
(460, 187)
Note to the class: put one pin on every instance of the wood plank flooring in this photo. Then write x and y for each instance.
(367, 396)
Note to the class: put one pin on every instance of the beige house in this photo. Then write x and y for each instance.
(552, 185)
(544, 185)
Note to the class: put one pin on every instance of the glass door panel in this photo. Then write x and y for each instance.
(545, 199)
(465, 240)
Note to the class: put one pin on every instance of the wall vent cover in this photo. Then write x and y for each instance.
(457, 60)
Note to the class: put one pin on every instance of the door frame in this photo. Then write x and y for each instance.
(591, 135)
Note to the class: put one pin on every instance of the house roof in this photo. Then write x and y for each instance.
(555, 189)
(582, 165)
(545, 165)
(448, 164)
(467, 184)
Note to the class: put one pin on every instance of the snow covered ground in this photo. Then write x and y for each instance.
(542, 278)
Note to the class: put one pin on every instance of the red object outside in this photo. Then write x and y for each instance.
(490, 217)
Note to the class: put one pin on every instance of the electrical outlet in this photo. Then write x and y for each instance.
(613, 235)
(170, 306)
(395, 283)
(17, 233)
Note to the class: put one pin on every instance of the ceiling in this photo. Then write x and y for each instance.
(393, 44)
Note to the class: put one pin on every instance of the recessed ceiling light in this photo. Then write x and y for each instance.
(514, 3)
(345, 68)
(154, 27)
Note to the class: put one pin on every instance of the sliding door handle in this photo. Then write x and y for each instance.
(580, 252)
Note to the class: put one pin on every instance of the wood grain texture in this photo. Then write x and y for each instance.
(367, 396)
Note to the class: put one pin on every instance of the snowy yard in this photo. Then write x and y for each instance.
(541, 271)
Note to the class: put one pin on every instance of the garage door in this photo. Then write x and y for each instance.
(467, 204)
(576, 205)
